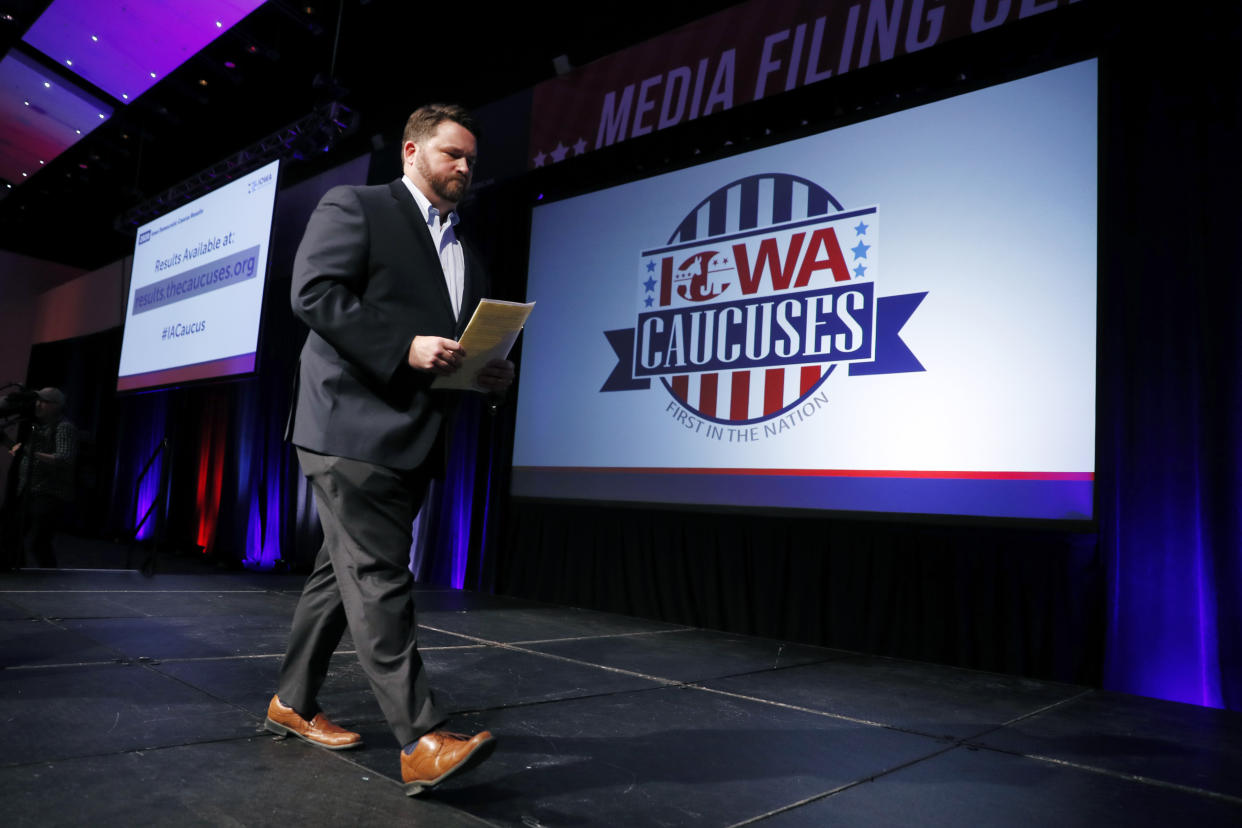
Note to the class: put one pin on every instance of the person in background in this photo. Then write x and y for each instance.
(45, 466)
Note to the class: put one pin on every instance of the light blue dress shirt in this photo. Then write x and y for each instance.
(444, 237)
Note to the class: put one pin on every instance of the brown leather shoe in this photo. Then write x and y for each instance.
(285, 721)
(439, 755)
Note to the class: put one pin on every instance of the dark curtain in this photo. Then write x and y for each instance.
(142, 467)
(1015, 601)
(1171, 357)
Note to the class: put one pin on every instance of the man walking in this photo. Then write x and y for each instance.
(386, 286)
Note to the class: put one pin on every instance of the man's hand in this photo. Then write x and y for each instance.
(436, 354)
(496, 376)
(15, 448)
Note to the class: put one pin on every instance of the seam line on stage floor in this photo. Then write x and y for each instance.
(841, 788)
(584, 637)
(970, 744)
(259, 733)
(126, 660)
(963, 742)
(1129, 777)
(667, 682)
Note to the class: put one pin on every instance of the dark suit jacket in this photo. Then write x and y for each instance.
(367, 280)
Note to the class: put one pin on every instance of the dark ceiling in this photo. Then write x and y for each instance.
(381, 58)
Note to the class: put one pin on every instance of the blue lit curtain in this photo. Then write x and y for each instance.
(1171, 359)
(262, 471)
(143, 424)
(452, 529)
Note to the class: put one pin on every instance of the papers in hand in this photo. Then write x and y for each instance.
(493, 329)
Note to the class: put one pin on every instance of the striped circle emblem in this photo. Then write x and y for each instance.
(750, 396)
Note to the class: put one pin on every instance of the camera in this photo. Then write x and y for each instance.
(19, 405)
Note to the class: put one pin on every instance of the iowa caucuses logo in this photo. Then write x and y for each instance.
(766, 288)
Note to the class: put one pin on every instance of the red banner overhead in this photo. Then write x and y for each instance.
(751, 51)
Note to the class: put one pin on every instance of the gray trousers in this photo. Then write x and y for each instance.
(361, 581)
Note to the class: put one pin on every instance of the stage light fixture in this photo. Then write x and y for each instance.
(313, 134)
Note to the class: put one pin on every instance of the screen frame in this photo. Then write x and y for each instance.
(194, 380)
(681, 149)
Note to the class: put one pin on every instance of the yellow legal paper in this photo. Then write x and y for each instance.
(493, 329)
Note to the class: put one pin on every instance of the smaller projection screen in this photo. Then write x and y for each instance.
(896, 316)
(196, 289)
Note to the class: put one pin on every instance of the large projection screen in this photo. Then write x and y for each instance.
(896, 316)
(196, 289)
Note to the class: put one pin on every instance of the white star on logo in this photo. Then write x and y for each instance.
(539, 159)
(558, 154)
(580, 147)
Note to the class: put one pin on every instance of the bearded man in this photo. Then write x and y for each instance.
(386, 286)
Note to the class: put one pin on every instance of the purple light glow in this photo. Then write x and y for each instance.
(259, 483)
(1163, 640)
(124, 46)
(458, 508)
(263, 528)
(150, 418)
(147, 493)
(42, 116)
(1209, 684)
(460, 496)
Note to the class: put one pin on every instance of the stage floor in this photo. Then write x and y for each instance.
(129, 700)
